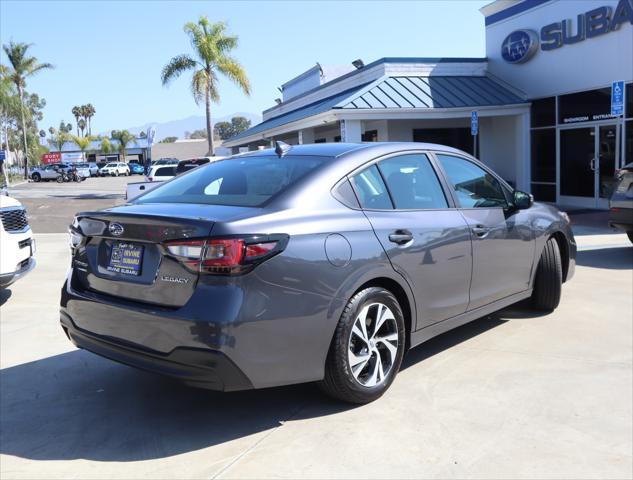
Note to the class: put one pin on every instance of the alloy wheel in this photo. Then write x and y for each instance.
(373, 345)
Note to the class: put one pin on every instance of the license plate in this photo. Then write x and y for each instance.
(126, 258)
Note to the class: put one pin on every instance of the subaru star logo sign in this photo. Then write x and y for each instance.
(519, 46)
(116, 229)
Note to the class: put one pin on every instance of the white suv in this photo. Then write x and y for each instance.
(18, 245)
(115, 169)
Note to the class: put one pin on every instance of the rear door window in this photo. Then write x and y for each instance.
(165, 172)
(412, 182)
(242, 181)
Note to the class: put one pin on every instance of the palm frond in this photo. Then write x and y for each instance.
(232, 69)
(199, 85)
(177, 66)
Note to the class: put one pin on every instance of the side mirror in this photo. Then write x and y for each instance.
(522, 200)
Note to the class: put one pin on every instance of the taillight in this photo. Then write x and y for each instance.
(226, 256)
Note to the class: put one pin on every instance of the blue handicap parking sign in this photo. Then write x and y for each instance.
(474, 123)
(617, 98)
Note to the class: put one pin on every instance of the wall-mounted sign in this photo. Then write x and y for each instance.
(521, 45)
(617, 98)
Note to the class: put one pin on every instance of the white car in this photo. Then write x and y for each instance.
(161, 173)
(115, 169)
(17, 255)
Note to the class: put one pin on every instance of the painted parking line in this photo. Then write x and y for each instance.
(600, 247)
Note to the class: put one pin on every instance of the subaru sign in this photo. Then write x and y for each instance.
(617, 98)
(519, 46)
(474, 123)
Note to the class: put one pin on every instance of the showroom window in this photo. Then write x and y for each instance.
(589, 106)
(543, 164)
(543, 112)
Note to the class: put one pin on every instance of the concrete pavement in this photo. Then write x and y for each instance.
(514, 395)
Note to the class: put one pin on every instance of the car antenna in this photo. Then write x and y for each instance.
(281, 148)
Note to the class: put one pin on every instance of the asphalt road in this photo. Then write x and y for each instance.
(51, 206)
(514, 395)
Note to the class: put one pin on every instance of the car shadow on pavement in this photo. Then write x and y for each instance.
(5, 295)
(616, 258)
(77, 405)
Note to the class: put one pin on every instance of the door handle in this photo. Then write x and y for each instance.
(480, 230)
(401, 237)
(592, 164)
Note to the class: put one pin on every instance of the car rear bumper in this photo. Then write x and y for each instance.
(196, 367)
(621, 218)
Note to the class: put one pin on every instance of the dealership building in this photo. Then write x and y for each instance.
(546, 97)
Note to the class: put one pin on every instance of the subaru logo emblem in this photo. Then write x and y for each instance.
(519, 46)
(116, 229)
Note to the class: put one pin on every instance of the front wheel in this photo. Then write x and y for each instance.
(367, 348)
(60, 179)
(548, 283)
(36, 177)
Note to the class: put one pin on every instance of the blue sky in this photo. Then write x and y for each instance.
(111, 53)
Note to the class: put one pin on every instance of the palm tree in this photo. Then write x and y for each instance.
(81, 125)
(106, 146)
(76, 111)
(83, 143)
(90, 112)
(212, 47)
(124, 138)
(22, 67)
(58, 138)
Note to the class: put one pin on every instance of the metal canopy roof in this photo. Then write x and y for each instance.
(432, 92)
(402, 92)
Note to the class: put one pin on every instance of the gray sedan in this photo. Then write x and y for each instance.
(308, 263)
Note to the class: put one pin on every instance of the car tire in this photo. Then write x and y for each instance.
(630, 235)
(347, 376)
(36, 177)
(548, 283)
(115, 174)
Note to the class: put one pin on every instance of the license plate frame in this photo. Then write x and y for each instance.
(126, 258)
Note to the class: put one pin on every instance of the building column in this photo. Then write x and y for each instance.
(351, 131)
(523, 155)
(306, 136)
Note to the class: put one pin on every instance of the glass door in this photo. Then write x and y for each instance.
(608, 157)
(588, 159)
(577, 167)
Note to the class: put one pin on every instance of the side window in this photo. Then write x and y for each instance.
(475, 188)
(371, 190)
(412, 182)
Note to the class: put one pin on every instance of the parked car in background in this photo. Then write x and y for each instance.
(161, 173)
(94, 169)
(189, 164)
(136, 168)
(83, 169)
(621, 202)
(49, 172)
(17, 255)
(115, 169)
(164, 161)
(308, 263)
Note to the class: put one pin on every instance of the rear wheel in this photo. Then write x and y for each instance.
(630, 235)
(367, 348)
(548, 283)
(60, 179)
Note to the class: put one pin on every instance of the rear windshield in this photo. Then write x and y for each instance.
(241, 181)
(165, 172)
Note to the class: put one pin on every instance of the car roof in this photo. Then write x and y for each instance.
(340, 149)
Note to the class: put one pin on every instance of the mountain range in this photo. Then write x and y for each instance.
(177, 128)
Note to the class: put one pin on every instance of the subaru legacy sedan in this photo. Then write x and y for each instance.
(312, 263)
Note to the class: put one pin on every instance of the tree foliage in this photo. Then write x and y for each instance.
(124, 138)
(237, 125)
(169, 140)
